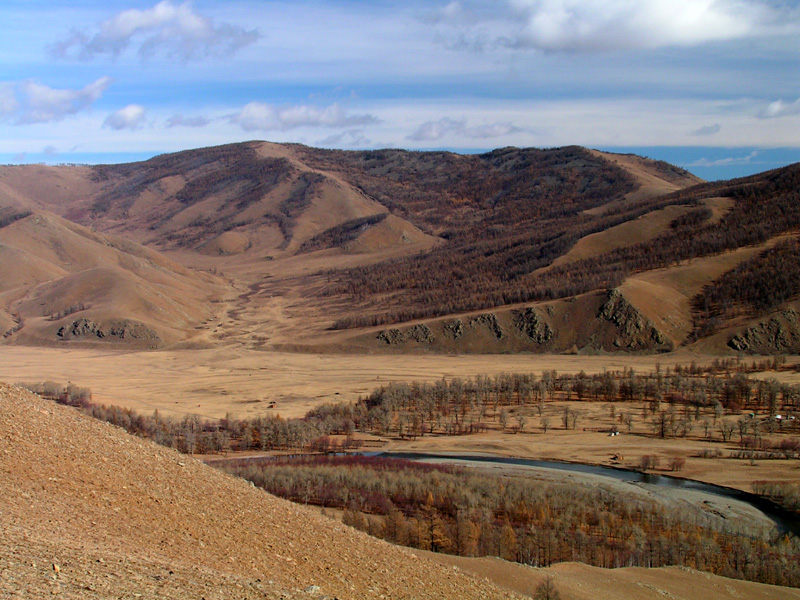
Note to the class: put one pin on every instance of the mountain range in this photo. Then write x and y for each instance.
(291, 247)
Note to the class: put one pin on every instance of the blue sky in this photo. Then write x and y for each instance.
(710, 85)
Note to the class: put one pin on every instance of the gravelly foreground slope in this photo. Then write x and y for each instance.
(88, 511)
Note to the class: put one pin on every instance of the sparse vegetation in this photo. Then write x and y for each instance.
(65, 312)
(9, 215)
(547, 591)
(673, 403)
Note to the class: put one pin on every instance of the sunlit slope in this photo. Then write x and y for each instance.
(90, 511)
(62, 282)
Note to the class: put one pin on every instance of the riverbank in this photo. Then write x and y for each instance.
(729, 508)
(697, 498)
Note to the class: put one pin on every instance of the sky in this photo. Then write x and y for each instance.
(709, 85)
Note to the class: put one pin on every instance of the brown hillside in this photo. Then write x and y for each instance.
(608, 322)
(37, 187)
(88, 511)
(638, 231)
(576, 581)
(666, 295)
(655, 177)
(58, 276)
(314, 241)
(222, 201)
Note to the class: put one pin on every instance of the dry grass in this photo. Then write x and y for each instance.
(665, 295)
(50, 264)
(590, 443)
(576, 581)
(633, 232)
(213, 382)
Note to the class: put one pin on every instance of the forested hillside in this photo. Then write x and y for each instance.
(340, 240)
(507, 270)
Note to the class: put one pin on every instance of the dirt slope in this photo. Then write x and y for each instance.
(60, 281)
(639, 230)
(665, 295)
(576, 581)
(655, 177)
(43, 187)
(88, 511)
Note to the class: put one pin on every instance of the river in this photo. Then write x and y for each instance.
(739, 510)
(728, 502)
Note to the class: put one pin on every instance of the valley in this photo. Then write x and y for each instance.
(261, 280)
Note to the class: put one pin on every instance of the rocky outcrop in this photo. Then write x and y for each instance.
(488, 321)
(777, 335)
(530, 323)
(454, 329)
(391, 336)
(117, 329)
(594, 322)
(634, 330)
(418, 333)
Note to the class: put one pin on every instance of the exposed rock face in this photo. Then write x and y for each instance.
(120, 329)
(635, 331)
(392, 336)
(530, 323)
(488, 320)
(596, 322)
(418, 333)
(777, 335)
(454, 329)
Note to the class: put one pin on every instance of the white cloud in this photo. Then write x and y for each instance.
(436, 130)
(43, 104)
(724, 162)
(50, 151)
(184, 121)
(779, 108)
(707, 130)
(130, 117)
(592, 122)
(258, 116)
(447, 127)
(602, 25)
(352, 138)
(176, 30)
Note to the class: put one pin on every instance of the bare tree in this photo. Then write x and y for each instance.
(565, 417)
(522, 420)
(503, 418)
(547, 591)
(573, 418)
(648, 461)
(726, 429)
(676, 463)
(628, 419)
